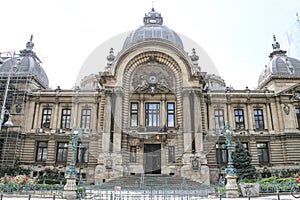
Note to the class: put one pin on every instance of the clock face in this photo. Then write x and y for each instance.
(152, 79)
(152, 21)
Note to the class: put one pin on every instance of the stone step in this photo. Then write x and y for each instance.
(153, 181)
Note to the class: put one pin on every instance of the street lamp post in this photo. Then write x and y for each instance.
(71, 174)
(231, 185)
(228, 134)
(11, 70)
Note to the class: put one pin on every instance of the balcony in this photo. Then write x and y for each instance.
(147, 132)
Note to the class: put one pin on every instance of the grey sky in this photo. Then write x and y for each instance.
(236, 34)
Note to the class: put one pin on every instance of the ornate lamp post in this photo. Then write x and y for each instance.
(71, 174)
(231, 186)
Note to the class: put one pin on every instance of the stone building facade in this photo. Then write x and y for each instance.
(152, 110)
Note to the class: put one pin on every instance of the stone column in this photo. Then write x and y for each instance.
(211, 118)
(250, 118)
(198, 120)
(118, 122)
(141, 113)
(187, 136)
(107, 123)
(163, 111)
(56, 116)
(280, 114)
(75, 112)
(269, 122)
(229, 113)
(37, 116)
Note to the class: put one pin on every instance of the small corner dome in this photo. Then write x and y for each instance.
(27, 63)
(153, 28)
(280, 64)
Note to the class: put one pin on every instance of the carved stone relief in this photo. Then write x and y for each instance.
(152, 78)
(286, 109)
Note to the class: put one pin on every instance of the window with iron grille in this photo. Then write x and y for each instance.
(171, 154)
(133, 154)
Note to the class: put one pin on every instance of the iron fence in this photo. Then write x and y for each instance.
(124, 192)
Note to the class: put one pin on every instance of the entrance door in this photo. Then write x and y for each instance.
(152, 159)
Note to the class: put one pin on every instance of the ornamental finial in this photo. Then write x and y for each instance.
(110, 58)
(152, 5)
(276, 48)
(275, 45)
(29, 45)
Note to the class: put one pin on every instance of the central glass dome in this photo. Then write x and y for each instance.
(153, 29)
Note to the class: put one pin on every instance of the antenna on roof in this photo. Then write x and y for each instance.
(152, 4)
(297, 17)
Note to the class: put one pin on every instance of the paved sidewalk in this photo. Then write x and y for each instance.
(273, 197)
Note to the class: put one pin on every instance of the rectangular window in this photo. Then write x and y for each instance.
(298, 116)
(85, 118)
(134, 115)
(171, 114)
(46, 117)
(82, 153)
(62, 152)
(152, 114)
(259, 119)
(219, 119)
(263, 152)
(65, 118)
(221, 153)
(42, 151)
(239, 119)
(171, 154)
(133, 154)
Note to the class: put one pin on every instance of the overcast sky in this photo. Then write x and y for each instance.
(236, 34)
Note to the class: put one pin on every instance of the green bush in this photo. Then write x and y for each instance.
(268, 180)
(247, 180)
(278, 180)
(242, 162)
(51, 177)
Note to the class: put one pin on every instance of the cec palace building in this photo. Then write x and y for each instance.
(153, 109)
